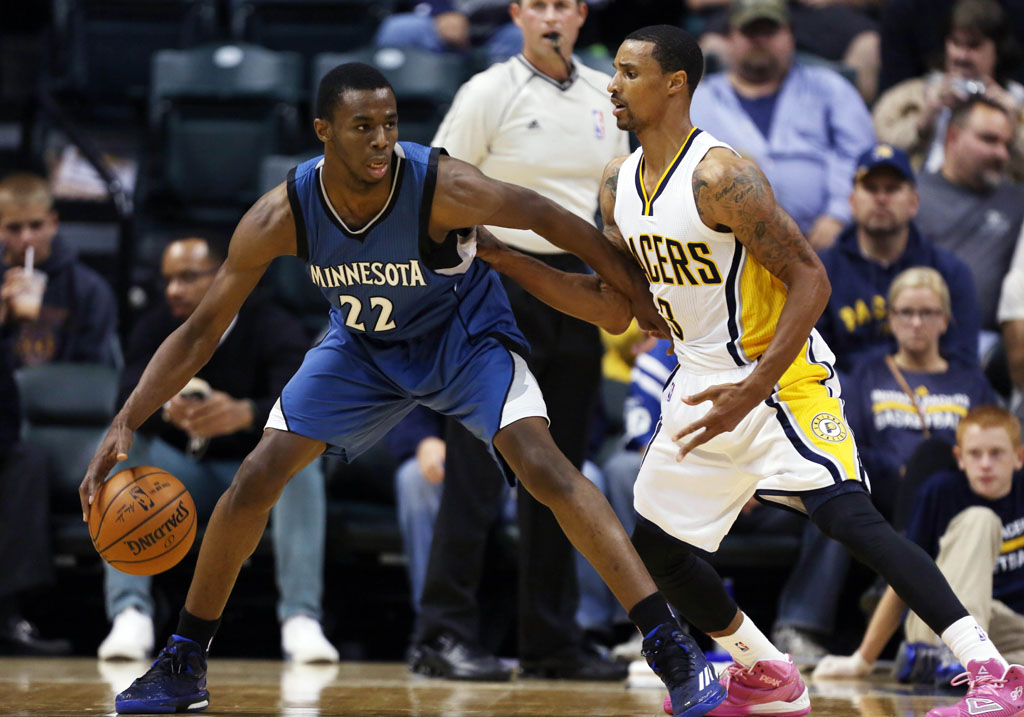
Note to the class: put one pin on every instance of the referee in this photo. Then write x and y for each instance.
(543, 121)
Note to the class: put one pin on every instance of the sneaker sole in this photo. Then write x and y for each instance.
(795, 708)
(196, 703)
(714, 696)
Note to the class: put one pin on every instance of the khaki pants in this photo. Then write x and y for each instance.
(967, 553)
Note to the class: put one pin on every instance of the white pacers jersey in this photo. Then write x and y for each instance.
(723, 308)
(721, 304)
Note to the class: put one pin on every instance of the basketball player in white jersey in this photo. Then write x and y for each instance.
(754, 407)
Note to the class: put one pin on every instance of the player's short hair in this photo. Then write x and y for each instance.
(350, 76)
(920, 277)
(990, 417)
(674, 50)
(22, 189)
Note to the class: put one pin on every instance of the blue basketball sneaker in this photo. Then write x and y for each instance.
(175, 683)
(692, 684)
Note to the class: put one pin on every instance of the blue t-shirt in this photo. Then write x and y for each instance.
(944, 496)
(761, 111)
(886, 423)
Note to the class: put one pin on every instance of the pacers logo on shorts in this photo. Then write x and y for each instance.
(828, 428)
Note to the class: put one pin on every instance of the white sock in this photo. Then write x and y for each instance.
(748, 644)
(969, 642)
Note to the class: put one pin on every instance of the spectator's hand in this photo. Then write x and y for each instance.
(14, 284)
(938, 94)
(839, 667)
(731, 402)
(218, 415)
(824, 232)
(453, 29)
(995, 92)
(113, 448)
(430, 455)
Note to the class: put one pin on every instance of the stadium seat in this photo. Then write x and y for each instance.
(425, 84)
(106, 45)
(217, 111)
(308, 27)
(66, 409)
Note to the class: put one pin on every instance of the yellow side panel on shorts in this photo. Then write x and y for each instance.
(818, 416)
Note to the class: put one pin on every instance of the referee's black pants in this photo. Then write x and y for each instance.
(566, 360)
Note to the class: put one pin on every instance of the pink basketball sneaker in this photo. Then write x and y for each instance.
(770, 687)
(992, 691)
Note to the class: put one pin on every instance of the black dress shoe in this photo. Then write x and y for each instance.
(20, 637)
(449, 657)
(574, 664)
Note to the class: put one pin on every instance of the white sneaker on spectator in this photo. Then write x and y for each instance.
(302, 640)
(130, 638)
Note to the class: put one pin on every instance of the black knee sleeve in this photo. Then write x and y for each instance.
(687, 581)
(851, 519)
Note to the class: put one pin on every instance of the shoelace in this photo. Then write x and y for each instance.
(677, 671)
(984, 682)
(733, 671)
(169, 660)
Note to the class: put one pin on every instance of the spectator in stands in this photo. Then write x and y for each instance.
(202, 436)
(881, 242)
(897, 400)
(969, 207)
(542, 120)
(805, 126)
(981, 52)
(837, 30)
(454, 26)
(77, 317)
(25, 560)
(970, 521)
(914, 33)
(1011, 320)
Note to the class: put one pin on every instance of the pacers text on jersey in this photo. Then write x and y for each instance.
(369, 273)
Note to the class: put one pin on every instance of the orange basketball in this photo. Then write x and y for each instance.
(142, 521)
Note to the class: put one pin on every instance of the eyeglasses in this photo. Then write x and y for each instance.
(923, 314)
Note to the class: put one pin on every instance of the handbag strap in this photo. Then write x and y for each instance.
(898, 375)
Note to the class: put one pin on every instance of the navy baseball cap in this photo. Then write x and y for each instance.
(884, 155)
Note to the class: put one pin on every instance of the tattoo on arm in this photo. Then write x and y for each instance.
(736, 194)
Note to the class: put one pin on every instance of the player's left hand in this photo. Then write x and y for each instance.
(218, 415)
(731, 402)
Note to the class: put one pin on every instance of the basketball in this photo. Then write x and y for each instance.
(142, 521)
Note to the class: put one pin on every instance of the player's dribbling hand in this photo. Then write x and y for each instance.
(838, 667)
(113, 448)
(731, 402)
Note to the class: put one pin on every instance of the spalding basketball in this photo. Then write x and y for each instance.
(142, 521)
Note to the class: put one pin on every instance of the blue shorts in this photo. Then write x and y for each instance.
(351, 390)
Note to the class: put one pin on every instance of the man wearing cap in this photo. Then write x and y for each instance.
(803, 125)
(880, 242)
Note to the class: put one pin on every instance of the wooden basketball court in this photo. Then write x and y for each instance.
(78, 686)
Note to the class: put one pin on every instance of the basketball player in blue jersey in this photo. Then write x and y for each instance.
(414, 320)
(754, 407)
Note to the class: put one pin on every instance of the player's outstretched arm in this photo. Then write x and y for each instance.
(585, 296)
(732, 192)
(465, 196)
(266, 231)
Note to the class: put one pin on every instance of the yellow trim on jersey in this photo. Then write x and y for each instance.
(761, 298)
(817, 416)
(643, 185)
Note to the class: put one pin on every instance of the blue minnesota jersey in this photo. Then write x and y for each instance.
(388, 281)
